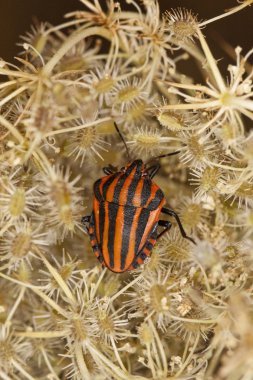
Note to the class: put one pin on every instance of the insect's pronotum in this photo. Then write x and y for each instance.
(123, 226)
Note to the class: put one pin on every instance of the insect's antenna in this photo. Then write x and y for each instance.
(122, 138)
(163, 155)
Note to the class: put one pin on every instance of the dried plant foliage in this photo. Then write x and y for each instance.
(187, 312)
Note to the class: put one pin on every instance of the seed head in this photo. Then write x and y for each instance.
(128, 94)
(207, 180)
(147, 141)
(145, 334)
(17, 203)
(12, 350)
(61, 202)
(18, 243)
(170, 120)
(182, 23)
(175, 248)
(86, 144)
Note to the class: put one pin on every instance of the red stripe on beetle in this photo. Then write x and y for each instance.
(124, 195)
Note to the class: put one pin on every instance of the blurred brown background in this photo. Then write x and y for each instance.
(16, 16)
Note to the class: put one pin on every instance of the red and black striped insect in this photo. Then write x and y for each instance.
(127, 204)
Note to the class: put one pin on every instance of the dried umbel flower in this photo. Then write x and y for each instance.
(207, 180)
(128, 94)
(155, 297)
(17, 244)
(110, 325)
(136, 114)
(37, 38)
(192, 213)
(182, 23)
(186, 312)
(69, 271)
(17, 204)
(14, 352)
(175, 248)
(198, 151)
(239, 188)
(148, 140)
(171, 120)
(87, 144)
(145, 334)
(61, 202)
(100, 84)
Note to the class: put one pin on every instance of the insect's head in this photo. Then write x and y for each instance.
(136, 168)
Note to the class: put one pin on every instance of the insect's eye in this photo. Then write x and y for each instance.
(123, 169)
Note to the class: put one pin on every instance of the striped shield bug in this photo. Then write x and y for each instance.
(123, 225)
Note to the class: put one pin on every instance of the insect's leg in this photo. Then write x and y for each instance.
(109, 169)
(85, 220)
(91, 232)
(174, 214)
(166, 224)
(153, 170)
